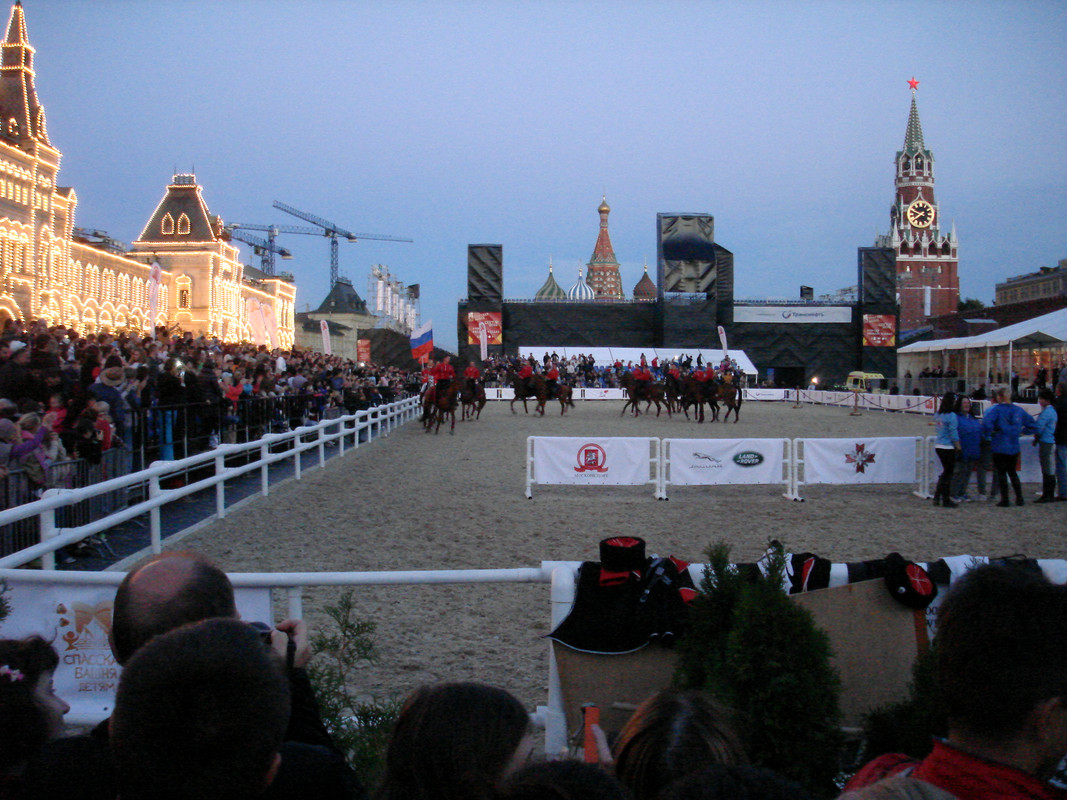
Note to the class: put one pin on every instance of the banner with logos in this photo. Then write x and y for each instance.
(76, 619)
(860, 461)
(792, 314)
(711, 462)
(879, 330)
(599, 461)
(363, 350)
(494, 327)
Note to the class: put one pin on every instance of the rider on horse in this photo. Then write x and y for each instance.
(551, 379)
(643, 380)
(443, 373)
(472, 374)
(525, 374)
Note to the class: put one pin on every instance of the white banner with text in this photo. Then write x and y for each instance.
(594, 461)
(711, 462)
(76, 619)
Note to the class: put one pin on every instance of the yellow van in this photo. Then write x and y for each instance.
(870, 382)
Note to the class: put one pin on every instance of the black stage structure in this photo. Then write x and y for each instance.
(793, 342)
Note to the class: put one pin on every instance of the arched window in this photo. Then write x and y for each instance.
(183, 298)
(167, 228)
(183, 224)
(907, 163)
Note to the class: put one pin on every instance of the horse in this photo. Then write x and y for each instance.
(653, 393)
(565, 395)
(473, 400)
(731, 398)
(445, 404)
(536, 390)
(695, 393)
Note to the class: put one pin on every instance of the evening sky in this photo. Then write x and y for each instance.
(504, 122)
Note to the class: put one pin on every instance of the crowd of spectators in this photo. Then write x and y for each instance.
(213, 708)
(66, 395)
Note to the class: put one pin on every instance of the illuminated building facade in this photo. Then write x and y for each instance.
(45, 273)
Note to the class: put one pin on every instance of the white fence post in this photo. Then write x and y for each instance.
(295, 597)
(555, 714)
(220, 487)
(155, 525)
(264, 471)
(48, 530)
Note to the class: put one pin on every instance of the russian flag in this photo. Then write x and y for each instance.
(422, 341)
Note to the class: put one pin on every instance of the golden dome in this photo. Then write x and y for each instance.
(604, 207)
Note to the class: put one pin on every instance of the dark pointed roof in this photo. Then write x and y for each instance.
(550, 290)
(342, 299)
(645, 288)
(183, 198)
(22, 114)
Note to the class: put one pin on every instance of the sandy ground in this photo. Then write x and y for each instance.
(418, 501)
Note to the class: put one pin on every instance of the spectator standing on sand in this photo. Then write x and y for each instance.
(947, 445)
(1060, 436)
(1045, 439)
(1004, 423)
(970, 454)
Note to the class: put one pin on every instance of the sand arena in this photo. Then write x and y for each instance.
(420, 501)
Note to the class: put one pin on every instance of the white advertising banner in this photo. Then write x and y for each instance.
(860, 461)
(792, 314)
(592, 461)
(711, 462)
(1028, 466)
(765, 394)
(76, 619)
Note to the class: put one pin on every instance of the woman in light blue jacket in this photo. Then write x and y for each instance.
(947, 446)
(1045, 438)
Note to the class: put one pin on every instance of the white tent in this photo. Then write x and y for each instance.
(606, 356)
(996, 349)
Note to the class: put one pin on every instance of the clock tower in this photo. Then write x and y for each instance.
(928, 283)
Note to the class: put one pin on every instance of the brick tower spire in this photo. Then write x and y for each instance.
(603, 268)
(22, 114)
(928, 282)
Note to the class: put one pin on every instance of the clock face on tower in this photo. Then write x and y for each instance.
(920, 214)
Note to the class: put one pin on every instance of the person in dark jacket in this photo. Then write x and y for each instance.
(167, 593)
(1005, 423)
(1060, 435)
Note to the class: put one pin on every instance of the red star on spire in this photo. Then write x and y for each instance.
(914, 84)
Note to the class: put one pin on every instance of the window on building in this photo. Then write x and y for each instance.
(167, 227)
(183, 298)
(183, 224)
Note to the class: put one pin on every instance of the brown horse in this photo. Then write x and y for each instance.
(441, 405)
(697, 393)
(473, 400)
(653, 393)
(731, 398)
(538, 390)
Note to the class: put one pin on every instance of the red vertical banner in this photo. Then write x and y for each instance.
(879, 330)
(363, 350)
(493, 322)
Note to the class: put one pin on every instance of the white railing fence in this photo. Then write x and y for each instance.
(343, 432)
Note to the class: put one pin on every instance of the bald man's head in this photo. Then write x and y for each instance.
(165, 593)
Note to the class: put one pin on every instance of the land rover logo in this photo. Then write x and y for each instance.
(748, 458)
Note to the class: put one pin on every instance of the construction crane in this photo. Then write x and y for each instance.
(331, 231)
(264, 248)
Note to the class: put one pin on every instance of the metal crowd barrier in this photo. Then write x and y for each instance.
(225, 462)
(16, 490)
